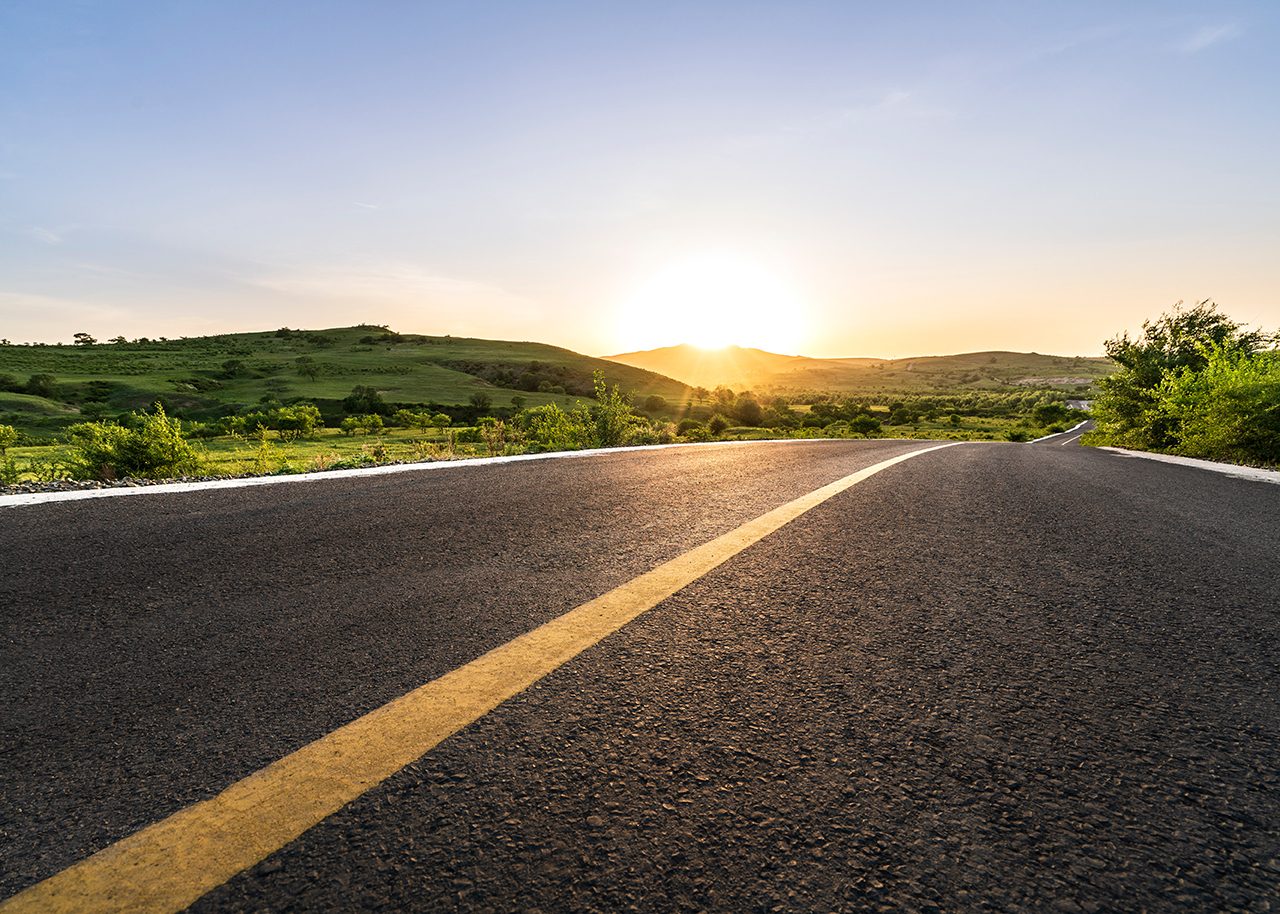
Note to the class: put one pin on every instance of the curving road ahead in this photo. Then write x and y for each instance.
(988, 677)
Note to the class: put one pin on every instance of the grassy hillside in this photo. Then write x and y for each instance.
(772, 373)
(205, 377)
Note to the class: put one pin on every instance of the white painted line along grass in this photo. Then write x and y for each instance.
(169, 488)
(1227, 469)
(165, 867)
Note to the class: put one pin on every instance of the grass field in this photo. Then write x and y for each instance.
(192, 378)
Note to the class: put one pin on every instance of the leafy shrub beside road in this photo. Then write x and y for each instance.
(1196, 383)
(151, 447)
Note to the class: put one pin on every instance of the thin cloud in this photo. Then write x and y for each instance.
(47, 236)
(1208, 36)
(894, 105)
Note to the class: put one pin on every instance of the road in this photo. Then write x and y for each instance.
(988, 677)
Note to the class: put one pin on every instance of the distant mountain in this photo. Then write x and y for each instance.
(756, 369)
(733, 366)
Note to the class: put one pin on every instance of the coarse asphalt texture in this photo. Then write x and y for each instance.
(994, 677)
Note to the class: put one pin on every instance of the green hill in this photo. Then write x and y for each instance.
(204, 377)
(768, 372)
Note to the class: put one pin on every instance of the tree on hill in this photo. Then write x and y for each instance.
(654, 404)
(83, 339)
(364, 400)
(41, 385)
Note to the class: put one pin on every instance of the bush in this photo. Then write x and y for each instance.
(717, 424)
(42, 385)
(612, 414)
(8, 438)
(494, 433)
(370, 424)
(550, 428)
(152, 447)
(1128, 409)
(1229, 410)
(1049, 413)
(1197, 384)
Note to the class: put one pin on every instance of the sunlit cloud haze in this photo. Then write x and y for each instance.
(900, 178)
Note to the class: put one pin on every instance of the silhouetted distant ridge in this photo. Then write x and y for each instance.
(740, 368)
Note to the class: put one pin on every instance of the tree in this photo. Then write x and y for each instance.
(307, 367)
(717, 424)
(117, 340)
(1127, 410)
(441, 421)
(8, 438)
(234, 368)
(748, 411)
(83, 339)
(518, 402)
(41, 385)
(481, 401)
(363, 399)
(654, 404)
(298, 421)
(701, 394)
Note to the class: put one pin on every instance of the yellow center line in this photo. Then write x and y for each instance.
(166, 866)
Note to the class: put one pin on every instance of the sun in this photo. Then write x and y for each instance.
(712, 301)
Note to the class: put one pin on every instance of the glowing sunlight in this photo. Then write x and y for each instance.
(712, 301)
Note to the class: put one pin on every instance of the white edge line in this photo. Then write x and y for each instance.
(35, 498)
(1056, 434)
(1227, 469)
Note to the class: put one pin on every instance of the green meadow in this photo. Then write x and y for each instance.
(375, 396)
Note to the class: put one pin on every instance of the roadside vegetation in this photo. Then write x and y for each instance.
(293, 401)
(275, 439)
(1196, 384)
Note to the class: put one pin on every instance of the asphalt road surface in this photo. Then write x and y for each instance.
(994, 677)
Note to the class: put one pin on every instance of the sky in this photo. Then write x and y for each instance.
(825, 178)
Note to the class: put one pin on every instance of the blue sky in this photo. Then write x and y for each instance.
(922, 177)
